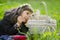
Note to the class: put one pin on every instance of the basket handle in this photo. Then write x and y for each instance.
(45, 7)
(46, 10)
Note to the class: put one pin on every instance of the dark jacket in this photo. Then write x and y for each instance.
(8, 28)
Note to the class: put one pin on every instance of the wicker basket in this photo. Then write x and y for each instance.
(39, 26)
(41, 23)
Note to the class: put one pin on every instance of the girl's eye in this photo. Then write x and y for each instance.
(27, 13)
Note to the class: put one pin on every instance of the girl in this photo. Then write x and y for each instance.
(15, 19)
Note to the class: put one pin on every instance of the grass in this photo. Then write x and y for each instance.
(53, 12)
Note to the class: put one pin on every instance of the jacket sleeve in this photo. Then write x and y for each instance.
(7, 29)
(24, 29)
(11, 30)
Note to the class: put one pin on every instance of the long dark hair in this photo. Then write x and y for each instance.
(12, 15)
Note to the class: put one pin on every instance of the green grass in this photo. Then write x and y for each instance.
(53, 12)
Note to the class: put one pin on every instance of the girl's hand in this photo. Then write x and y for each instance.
(20, 19)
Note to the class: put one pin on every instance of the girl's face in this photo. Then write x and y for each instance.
(25, 15)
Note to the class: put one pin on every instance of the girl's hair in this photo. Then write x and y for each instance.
(12, 15)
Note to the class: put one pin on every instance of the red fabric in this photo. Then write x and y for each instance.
(19, 37)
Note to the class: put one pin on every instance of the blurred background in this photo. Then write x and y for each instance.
(52, 5)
